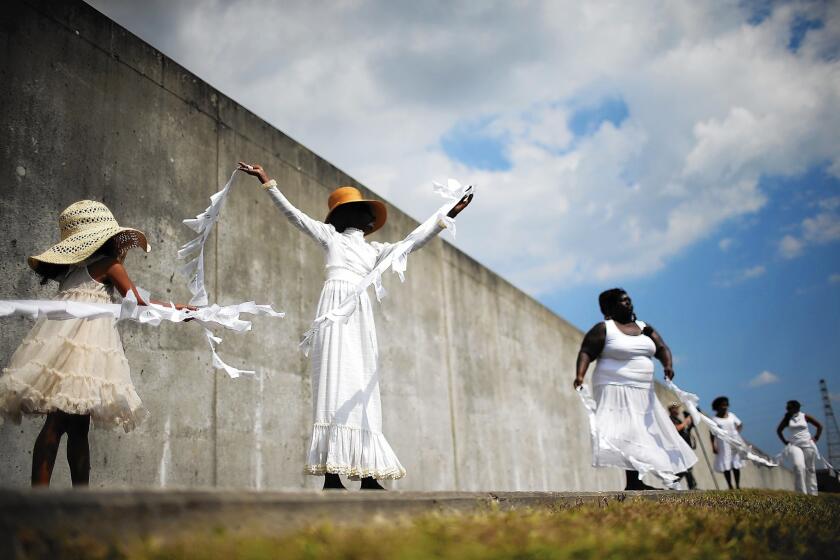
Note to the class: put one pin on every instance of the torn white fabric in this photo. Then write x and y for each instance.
(690, 400)
(227, 316)
(396, 257)
(599, 442)
(202, 224)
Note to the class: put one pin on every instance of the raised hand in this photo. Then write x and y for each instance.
(463, 203)
(256, 170)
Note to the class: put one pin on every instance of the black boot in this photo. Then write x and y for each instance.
(635, 483)
(370, 483)
(333, 482)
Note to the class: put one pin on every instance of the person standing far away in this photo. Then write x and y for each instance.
(727, 459)
(75, 369)
(628, 414)
(683, 426)
(801, 447)
(347, 436)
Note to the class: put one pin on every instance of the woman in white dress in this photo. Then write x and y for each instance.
(800, 446)
(347, 436)
(634, 426)
(727, 459)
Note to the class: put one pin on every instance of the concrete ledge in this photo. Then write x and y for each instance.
(49, 516)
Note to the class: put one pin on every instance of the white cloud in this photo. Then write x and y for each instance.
(727, 280)
(790, 246)
(725, 244)
(822, 228)
(764, 378)
(819, 229)
(714, 104)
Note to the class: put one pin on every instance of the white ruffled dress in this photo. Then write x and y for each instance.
(628, 415)
(727, 457)
(347, 436)
(76, 365)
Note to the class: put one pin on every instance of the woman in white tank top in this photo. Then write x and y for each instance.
(800, 446)
(635, 426)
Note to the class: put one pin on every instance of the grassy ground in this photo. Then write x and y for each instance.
(719, 525)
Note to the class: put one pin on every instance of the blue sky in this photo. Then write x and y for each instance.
(687, 151)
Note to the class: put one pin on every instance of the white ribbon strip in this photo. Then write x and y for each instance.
(202, 224)
(227, 316)
(599, 441)
(690, 400)
(396, 259)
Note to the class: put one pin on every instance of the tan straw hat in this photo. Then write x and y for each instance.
(352, 195)
(85, 227)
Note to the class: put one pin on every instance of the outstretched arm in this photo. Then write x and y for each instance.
(318, 231)
(425, 232)
(113, 272)
(590, 350)
(663, 353)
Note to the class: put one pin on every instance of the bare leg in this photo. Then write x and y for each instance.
(370, 483)
(737, 473)
(728, 476)
(333, 482)
(78, 450)
(46, 448)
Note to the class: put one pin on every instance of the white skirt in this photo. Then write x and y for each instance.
(726, 458)
(633, 420)
(77, 366)
(347, 434)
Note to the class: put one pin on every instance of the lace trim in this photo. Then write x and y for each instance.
(76, 345)
(17, 397)
(353, 472)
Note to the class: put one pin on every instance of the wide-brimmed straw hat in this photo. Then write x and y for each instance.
(85, 227)
(352, 195)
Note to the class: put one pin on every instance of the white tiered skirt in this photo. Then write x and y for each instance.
(77, 366)
(633, 420)
(347, 434)
(727, 458)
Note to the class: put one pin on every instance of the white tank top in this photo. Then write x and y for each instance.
(798, 430)
(626, 359)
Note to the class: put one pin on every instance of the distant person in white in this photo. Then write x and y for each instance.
(727, 459)
(628, 414)
(801, 447)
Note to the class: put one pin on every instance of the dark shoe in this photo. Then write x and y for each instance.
(333, 482)
(370, 483)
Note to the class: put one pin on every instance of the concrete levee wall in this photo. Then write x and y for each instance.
(476, 374)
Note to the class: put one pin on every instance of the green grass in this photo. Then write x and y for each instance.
(718, 525)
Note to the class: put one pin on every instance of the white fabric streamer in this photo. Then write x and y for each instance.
(669, 479)
(690, 400)
(396, 258)
(227, 316)
(202, 224)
